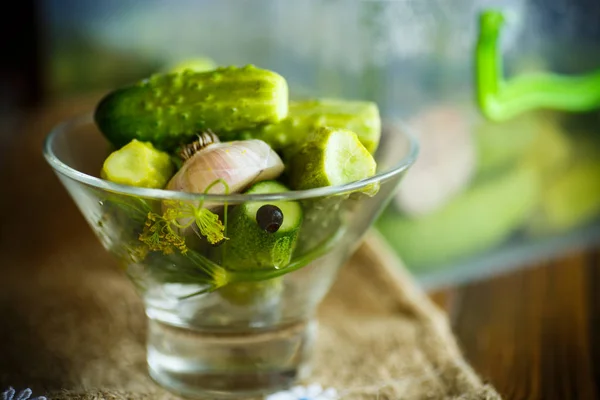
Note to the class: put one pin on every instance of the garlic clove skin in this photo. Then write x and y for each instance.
(238, 163)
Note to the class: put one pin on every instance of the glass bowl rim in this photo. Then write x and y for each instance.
(163, 194)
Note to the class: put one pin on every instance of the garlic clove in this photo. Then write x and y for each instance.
(239, 164)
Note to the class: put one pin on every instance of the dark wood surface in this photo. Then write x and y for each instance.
(533, 333)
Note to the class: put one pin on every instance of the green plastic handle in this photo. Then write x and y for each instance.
(500, 99)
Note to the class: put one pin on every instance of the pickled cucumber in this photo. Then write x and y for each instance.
(361, 117)
(481, 217)
(250, 246)
(550, 152)
(572, 199)
(170, 109)
(138, 164)
(330, 157)
(501, 144)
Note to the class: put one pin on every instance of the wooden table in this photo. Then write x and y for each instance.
(532, 333)
(535, 332)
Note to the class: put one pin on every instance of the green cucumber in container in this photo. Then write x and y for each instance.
(483, 216)
(262, 235)
(361, 117)
(501, 144)
(330, 157)
(572, 199)
(170, 109)
(138, 164)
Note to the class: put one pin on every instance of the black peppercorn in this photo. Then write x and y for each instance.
(269, 218)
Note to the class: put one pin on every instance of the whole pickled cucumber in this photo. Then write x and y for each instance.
(361, 117)
(170, 109)
(472, 222)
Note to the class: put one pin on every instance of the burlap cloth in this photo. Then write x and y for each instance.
(73, 328)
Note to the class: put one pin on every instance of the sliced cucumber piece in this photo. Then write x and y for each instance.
(305, 116)
(138, 164)
(251, 246)
(330, 157)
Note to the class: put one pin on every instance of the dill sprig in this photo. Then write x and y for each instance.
(159, 232)
(183, 214)
(191, 268)
(162, 233)
(158, 235)
(162, 248)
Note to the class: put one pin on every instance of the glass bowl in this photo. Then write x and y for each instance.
(237, 318)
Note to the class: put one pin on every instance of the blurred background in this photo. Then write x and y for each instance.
(483, 196)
